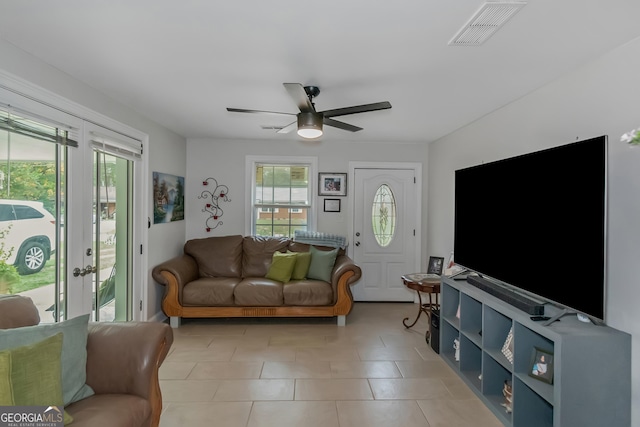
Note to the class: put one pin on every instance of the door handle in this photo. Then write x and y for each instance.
(87, 270)
(357, 243)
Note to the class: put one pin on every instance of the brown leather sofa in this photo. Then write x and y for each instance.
(225, 277)
(122, 367)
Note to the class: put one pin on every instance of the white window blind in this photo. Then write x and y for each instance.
(22, 123)
(119, 145)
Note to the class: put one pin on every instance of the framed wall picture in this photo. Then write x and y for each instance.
(332, 205)
(541, 367)
(332, 184)
(435, 265)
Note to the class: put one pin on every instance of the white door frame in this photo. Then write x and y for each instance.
(21, 91)
(417, 168)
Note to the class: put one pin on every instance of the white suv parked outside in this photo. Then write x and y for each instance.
(29, 231)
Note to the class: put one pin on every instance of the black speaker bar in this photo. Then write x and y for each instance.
(517, 300)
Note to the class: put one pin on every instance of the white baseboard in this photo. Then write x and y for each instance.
(159, 317)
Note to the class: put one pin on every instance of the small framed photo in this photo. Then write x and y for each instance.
(435, 265)
(541, 366)
(332, 184)
(332, 205)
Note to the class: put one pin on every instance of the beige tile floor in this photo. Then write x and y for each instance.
(310, 372)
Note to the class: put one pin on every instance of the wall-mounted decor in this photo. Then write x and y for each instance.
(215, 193)
(332, 205)
(332, 184)
(168, 198)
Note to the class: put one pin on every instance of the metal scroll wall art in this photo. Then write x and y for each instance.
(216, 193)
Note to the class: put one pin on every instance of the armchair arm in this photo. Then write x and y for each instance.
(124, 358)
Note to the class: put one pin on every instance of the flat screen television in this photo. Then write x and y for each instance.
(537, 223)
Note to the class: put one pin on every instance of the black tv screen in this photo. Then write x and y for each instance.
(537, 222)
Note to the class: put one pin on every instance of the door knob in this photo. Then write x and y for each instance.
(358, 234)
(357, 243)
(87, 270)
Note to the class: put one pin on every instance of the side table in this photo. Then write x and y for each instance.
(423, 283)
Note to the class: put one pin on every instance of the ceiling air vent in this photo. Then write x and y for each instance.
(486, 21)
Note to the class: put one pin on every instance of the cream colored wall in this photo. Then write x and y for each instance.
(601, 98)
(225, 161)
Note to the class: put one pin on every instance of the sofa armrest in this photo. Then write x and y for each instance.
(343, 265)
(124, 358)
(177, 272)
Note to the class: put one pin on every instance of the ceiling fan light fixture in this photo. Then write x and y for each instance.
(310, 125)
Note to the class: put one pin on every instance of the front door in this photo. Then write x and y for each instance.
(385, 231)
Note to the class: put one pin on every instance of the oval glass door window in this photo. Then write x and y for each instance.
(383, 215)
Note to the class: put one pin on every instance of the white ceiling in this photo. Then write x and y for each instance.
(182, 62)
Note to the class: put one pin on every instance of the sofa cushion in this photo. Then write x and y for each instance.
(217, 256)
(209, 291)
(74, 351)
(307, 293)
(108, 410)
(281, 266)
(322, 263)
(300, 270)
(258, 252)
(258, 291)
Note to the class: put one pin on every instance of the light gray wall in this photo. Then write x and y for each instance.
(601, 98)
(225, 161)
(167, 152)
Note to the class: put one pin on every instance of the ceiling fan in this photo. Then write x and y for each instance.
(309, 121)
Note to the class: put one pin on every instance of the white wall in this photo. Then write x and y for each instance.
(601, 98)
(167, 152)
(225, 161)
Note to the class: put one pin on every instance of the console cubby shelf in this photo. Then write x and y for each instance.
(592, 364)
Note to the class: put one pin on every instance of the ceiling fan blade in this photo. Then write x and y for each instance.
(242, 110)
(357, 109)
(341, 125)
(299, 95)
(289, 128)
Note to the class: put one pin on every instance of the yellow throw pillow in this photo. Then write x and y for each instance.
(6, 391)
(303, 261)
(36, 374)
(281, 267)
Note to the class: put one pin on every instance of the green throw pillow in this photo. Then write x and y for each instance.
(74, 352)
(6, 392)
(281, 267)
(36, 374)
(300, 270)
(322, 263)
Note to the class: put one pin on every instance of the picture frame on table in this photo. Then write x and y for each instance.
(435, 265)
(332, 205)
(332, 184)
(541, 366)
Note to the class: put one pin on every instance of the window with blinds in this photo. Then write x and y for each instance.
(282, 198)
